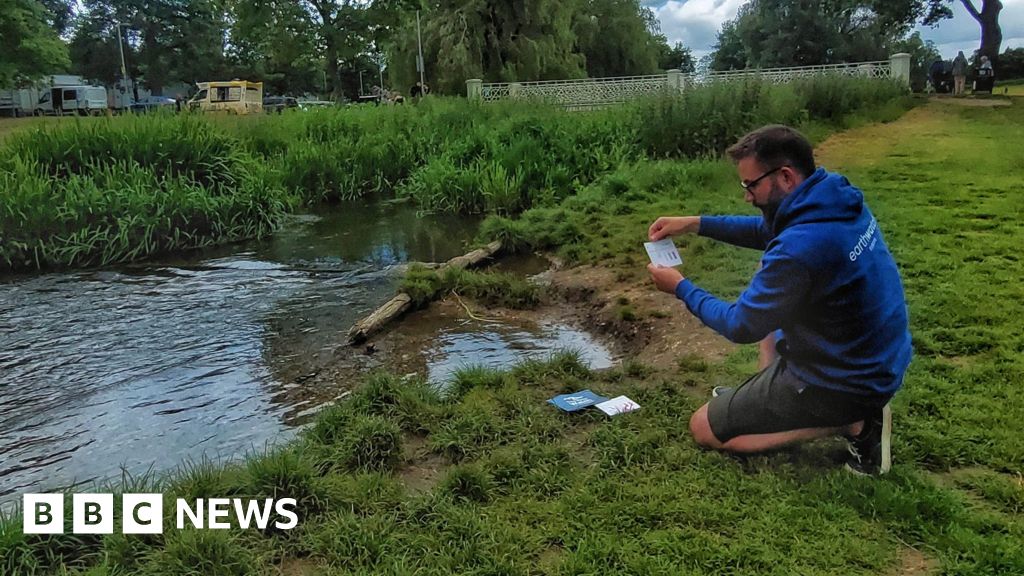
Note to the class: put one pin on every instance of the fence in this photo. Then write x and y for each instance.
(596, 92)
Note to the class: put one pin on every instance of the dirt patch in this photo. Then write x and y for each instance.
(297, 567)
(657, 329)
(625, 314)
(422, 468)
(913, 562)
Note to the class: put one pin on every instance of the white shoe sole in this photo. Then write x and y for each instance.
(886, 446)
(886, 439)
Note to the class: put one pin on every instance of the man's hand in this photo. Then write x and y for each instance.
(665, 279)
(666, 226)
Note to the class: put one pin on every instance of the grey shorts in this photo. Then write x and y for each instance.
(774, 400)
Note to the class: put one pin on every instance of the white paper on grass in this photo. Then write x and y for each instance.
(618, 405)
(663, 253)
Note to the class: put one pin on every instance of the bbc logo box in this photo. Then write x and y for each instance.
(144, 513)
(93, 513)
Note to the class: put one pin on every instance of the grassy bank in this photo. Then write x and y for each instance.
(114, 190)
(98, 191)
(488, 479)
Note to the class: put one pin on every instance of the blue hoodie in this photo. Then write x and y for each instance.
(828, 283)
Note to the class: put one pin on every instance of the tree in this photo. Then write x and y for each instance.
(770, 33)
(280, 40)
(1011, 64)
(618, 38)
(29, 46)
(276, 43)
(60, 14)
(922, 54)
(988, 18)
(500, 41)
(677, 57)
(489, 39)
(166, 40)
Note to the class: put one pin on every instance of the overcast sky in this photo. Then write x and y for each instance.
(695, 23)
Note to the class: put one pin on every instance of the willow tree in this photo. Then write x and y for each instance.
(494, 40)
(769, 33)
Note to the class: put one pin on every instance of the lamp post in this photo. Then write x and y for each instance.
(120, 48)
(419, 57)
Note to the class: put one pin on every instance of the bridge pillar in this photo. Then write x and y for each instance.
(900, 66)
(474, 88)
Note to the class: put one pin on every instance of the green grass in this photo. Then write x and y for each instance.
(523, 489)
(105, 190)
(492, 288)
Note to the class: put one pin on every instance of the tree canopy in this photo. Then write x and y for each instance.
(771, 33)
(30, 46)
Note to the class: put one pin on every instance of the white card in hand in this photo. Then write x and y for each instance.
(663, 253)
(618, 405)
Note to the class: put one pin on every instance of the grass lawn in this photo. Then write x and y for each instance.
(491, 480)
(10, 126)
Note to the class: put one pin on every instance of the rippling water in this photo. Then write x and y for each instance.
(143, 367)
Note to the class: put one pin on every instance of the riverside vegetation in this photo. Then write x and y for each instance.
(100, 191)
(519, 488)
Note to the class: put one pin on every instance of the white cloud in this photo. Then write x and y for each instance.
(962, 32)
(696, 23)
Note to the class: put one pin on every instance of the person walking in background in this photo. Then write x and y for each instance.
(959, 74)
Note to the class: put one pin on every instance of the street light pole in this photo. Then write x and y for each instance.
(120, 47)
(419, 45)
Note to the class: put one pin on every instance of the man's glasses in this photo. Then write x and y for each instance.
(748, 185)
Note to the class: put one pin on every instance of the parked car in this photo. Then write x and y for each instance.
(153, 103)
(279, 103)
(312, 104)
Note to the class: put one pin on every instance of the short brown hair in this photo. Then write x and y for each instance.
(775, 146)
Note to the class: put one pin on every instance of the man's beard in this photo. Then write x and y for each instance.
(771, 206)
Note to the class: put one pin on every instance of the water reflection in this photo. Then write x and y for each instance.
(495, 345)
(210, 354)
(146, 365)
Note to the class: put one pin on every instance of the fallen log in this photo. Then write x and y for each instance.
(401, 303)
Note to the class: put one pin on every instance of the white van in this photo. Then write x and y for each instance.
(72, 100)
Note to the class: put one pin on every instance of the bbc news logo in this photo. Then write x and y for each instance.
(144, 513)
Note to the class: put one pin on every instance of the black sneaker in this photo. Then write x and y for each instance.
(871, 451)
(719, 390)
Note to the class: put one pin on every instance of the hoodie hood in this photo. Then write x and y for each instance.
(823, 197)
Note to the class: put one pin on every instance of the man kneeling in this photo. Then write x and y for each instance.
(827, 304)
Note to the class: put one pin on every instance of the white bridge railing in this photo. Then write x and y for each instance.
(596, 92)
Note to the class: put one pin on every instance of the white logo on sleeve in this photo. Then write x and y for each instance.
(866, 241)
